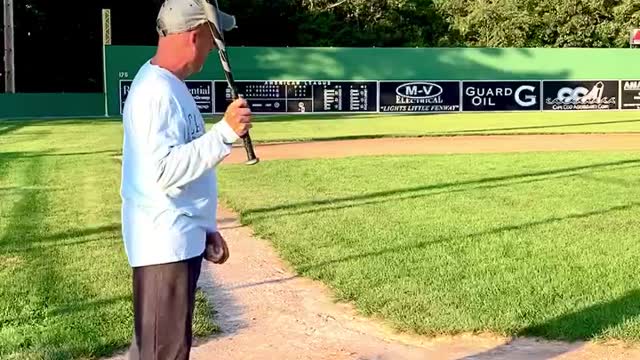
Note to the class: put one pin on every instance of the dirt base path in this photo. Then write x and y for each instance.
(265, 312)
(440, 145)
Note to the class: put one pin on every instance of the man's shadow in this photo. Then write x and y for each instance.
(590, 323)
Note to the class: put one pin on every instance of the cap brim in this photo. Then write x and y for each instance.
(224, 22)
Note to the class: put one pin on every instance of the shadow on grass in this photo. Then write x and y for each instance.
(9, 128)
(590, 322)
(79, 306)
(264, 282)
(70, 308)
(396, 192)
(38, 285)
(421, 244)
(10, 190)
(575, 327)
(60, 239)
(293, 140)
(37, 154)
(543, 126)
(58, 120)
(76, 233)
(56, 313)
(400, 197)
(376, 197)
(311, 207)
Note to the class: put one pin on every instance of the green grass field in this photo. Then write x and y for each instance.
(64, 280)
(536, 244)
(287, 128)
(324, 127)
(540, 244)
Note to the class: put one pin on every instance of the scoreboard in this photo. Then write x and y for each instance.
(412, 96)
(301, 96)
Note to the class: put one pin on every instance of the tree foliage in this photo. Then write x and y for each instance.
(542, 23)
(60, 51)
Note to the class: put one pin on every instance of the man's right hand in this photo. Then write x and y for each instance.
(238, 116)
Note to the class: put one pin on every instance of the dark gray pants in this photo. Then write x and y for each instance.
(163, 305)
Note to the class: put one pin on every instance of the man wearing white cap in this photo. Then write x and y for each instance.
(168, 188)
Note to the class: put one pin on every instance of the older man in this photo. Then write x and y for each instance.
(168, 188)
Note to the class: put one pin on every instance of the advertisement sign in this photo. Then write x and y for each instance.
(580, 95)
(501, 95)
(275, 96)
(125, 86)
(412, 96)
(630, 97)
(634, 39)
(202, 92)
(419, 96)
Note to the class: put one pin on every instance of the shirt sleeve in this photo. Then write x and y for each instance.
(177, 162)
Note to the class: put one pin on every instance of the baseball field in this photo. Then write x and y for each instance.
(528, 243)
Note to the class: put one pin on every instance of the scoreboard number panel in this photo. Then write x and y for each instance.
(340, 96)
(262, 96)
(317, 96)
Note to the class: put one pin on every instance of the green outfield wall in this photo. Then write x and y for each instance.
(34, 105)
(376, 64)
(346, 64)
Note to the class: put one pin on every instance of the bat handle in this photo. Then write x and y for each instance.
(252, 159)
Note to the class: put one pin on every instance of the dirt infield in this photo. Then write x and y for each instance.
(266, 312)
(440, 145)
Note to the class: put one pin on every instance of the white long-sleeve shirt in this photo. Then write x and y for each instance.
(168, 184)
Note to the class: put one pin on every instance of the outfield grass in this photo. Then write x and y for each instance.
(286, 128)
(527, 244)
(324, 127)
(65, 288)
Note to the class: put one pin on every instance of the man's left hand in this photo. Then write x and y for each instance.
(216, 249)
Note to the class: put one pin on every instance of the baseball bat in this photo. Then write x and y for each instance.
(224, 61)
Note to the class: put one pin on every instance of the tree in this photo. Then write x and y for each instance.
(542, 23)
(58, 51)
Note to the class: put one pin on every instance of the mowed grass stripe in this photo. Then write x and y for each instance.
(67, 293)
(105, 135)
(53, 294)
(529, 244)
(297, 127)
(86, 247)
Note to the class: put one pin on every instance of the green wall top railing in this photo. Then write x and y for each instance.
(261, 63)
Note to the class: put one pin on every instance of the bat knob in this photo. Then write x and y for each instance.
(252, 161)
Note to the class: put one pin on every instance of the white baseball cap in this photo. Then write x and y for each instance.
(177, 16)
